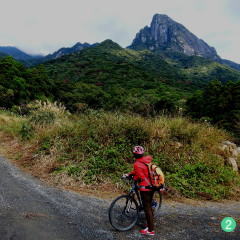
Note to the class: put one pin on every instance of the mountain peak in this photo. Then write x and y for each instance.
(108, 43)
(166, 34)
(79, 44)
(161, 18)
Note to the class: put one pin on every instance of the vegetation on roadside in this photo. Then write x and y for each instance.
(94, 147)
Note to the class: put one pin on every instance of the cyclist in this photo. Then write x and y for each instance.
(141, 175)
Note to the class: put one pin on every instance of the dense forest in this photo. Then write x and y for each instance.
(218, 103)
(19, 85)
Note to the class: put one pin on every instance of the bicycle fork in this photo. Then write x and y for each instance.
(128, 205)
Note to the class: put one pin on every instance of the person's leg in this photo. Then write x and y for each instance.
(147, 204)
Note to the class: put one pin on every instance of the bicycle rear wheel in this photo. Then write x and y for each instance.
(123, 213)
(157, 202)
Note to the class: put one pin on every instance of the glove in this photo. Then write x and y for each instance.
(126, 175)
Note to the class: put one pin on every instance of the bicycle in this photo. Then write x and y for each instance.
(124, 211)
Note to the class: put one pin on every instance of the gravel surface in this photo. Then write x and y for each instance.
(30, 210)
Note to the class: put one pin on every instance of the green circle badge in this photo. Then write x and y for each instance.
(228, 224)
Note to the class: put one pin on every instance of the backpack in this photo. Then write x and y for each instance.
(156, 175)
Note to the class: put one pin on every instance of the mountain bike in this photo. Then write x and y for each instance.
(124, 211)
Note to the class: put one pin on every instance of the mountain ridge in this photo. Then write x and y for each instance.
(16, 53)
(67, 50)
(231, 64)
(163, 34)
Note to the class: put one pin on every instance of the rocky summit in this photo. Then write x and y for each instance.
(166, 34)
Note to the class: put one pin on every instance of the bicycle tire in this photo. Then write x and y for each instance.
(120, 206)
(157, 197)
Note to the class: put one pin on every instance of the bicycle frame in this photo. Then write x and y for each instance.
(134, 191)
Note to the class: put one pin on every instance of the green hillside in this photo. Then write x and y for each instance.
(111, 77)
(108, 63)
(198, 71)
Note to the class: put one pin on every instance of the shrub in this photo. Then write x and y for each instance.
(42, 118)
(136, 134)
(45, 144)
(179, 131)
(26, 131)
(194, 179)
(58, 109)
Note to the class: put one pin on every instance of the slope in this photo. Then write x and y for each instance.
(108, 64)
(114, 73)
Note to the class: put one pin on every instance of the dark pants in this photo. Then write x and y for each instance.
(147, 204)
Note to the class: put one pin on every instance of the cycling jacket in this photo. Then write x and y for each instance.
(141, 173)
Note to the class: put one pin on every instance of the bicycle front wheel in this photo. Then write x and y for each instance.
(123, 213)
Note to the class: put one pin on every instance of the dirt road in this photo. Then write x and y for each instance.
(30, 210)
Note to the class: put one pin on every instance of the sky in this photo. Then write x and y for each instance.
(44, 26)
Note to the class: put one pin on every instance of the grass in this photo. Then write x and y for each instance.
(94, 148)
(10, 123)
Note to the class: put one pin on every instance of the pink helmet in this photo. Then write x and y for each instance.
(138, 150)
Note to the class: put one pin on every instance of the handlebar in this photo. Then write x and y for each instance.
(127, 177)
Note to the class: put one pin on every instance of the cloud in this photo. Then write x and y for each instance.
(44, 26)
